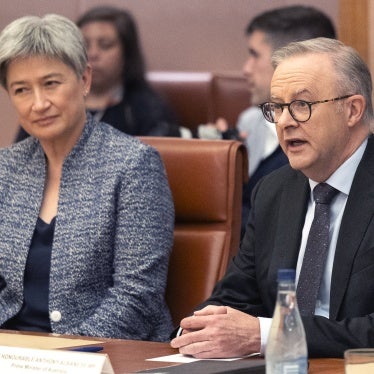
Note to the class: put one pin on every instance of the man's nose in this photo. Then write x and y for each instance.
(248, 67)
(285, 119)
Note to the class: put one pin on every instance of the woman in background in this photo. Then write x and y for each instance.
(86, 214)
(120, 94)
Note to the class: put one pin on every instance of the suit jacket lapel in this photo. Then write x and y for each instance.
(358, 213)
(293, 205)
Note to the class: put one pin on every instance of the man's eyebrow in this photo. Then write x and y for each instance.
(299, 92)
(274, 98)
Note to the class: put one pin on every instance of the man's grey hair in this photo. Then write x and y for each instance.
(52, 36)
(352, 74)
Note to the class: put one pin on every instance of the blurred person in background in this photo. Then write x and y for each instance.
(86, 213)
(120, 94)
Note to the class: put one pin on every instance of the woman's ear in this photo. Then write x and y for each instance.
(355, 107)
(87, 79)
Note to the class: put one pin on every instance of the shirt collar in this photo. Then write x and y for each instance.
(342, 178)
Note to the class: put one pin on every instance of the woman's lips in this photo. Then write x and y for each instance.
(45, 121)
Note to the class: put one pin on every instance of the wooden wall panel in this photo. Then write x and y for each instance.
(353, 25)
(355, 28)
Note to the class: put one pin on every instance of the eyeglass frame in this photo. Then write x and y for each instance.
(309, 103)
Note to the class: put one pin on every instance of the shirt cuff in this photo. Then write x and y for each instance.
(265, 324)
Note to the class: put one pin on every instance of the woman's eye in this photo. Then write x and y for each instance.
(51, 83)
(105, 45)
(19, 90)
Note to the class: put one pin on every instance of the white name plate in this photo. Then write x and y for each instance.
(27, 360)
(366, 368)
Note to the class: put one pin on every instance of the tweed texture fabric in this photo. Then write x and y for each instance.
(113, 234)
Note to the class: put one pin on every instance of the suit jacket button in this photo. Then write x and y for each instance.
(55, 316)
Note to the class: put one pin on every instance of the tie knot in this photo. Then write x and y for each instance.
(323, 193)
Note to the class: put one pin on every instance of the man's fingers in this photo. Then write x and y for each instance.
(188, 339)
(211, 309)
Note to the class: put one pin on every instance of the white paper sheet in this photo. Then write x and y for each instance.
(187, 359)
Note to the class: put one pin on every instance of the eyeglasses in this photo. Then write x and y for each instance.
(300, 110)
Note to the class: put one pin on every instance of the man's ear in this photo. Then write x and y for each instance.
(355, 106)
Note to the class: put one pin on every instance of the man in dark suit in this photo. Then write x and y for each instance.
(322, 109)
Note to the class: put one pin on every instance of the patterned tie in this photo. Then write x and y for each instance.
(315, 251)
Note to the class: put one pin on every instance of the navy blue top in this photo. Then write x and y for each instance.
(34, 315)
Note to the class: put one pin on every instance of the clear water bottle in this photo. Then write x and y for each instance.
(286, 350)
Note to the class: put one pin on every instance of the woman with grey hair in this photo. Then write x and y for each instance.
(86, 213)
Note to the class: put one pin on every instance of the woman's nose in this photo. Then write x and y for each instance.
(92, 52)
(40, 101)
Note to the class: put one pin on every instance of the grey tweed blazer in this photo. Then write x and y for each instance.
(112, 241)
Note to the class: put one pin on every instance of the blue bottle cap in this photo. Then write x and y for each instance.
(286, 275)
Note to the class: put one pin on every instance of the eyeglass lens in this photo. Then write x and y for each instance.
(299, 110)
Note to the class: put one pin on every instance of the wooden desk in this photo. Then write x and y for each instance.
(129, 356)
(326, 366)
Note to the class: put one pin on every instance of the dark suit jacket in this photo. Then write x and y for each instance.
(266, 166)
(272, 241)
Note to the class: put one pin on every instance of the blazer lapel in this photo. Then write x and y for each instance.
(358, 213)
(293, 205)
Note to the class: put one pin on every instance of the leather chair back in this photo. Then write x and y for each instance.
(230, 97)
(188, 94)
(206, 179)
(202, 97)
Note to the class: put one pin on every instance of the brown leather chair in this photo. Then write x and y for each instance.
(188, 93)
(206, 179)
(202, 97)
(230, 97)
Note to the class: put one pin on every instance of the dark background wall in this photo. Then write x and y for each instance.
(192, 35)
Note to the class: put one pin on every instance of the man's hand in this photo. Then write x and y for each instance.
(219, 332)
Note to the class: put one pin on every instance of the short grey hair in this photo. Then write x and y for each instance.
(352, 74)
(51, 36)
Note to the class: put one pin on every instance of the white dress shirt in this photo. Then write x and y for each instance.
(261, 136)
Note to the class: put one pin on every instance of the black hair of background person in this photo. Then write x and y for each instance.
(292, 23)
